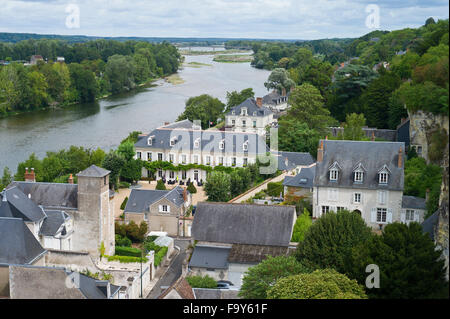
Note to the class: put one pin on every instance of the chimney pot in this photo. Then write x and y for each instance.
(320, 152)
(70, 179)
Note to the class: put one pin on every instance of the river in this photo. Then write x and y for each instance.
(105, 123)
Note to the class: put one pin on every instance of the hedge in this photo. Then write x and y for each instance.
(126, 259)
(128, 251)
(160, 255)
(122, 241)
(124, 203)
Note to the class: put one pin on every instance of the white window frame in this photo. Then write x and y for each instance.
(325, 209)
(382, 197)
(195, 159)
(162, 157)
(359, 176)
(334, 174)
(172, 158)
(222, 144)
(183, 158)
(149, 156)
(245, 161)
(233, 161)
(208, 160)
(150, 141)
(245, 146)
(355, 196)
(171, 174)
(197, 143)
(410, 213)
(139, 155)
(220, 161)
(383, 177)
(380, 212)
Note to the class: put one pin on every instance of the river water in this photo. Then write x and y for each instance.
(105, 123)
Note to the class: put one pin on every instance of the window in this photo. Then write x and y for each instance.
(150, 141)
(171, 158)
(222, 144)
(254, 123)
(254, 113)
(196, 159)
(233, 122)
(233, 113)
(160, 156)
(221, 160)
(145, 217)
(233, 161)
(244, 122)
(159, 173)
(325, 209)
(173, 141)
(334, 174)
(183, 159)
(171, 174)
(409, 215)
(149, 156)
(183, 174)
(381, 215)
(382, 197)
(357, 198)
(243, 111)
(245, 161)
(383, 178)
(164, 209)
(197, 143)
(138, 155)
(339, 208)
(245, 146)
(208, 160)
(358, 176)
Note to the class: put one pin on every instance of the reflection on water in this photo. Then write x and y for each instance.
(105, 123)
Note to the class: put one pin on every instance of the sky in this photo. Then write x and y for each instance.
(267, 19)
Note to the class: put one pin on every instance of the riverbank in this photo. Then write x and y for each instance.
(233, 58)
(196, 52)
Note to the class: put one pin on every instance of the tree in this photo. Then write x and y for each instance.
(329, 241)
(320, 284)
(191, 188)
(235, 98)
(353, 127)
(410, 265)
(204, 108)
(301, 226)
(258, 279)
(218, 186)
(296, 136)
(201, 282)
(83, 83)
(307, 106)
(126, 149)
(120, 70)
(114, 163)
(160, 185)
(279, 80)
(131, 170)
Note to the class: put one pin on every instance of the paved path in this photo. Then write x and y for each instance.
(174, 271)
(253, 192)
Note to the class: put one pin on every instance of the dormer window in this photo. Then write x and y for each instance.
(150, 140)
(244, 111)
(197, 143)
(254, 113)
(334, 171)
(358, 173)
(233, 112)
(222, 144)
(383, 175)
(173, 141)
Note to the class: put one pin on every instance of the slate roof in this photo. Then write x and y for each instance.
(372, 155)
(141, 199)
(303, 179)
(210, 257)
(272, 98)
(252, 107)
(50, 195)
(95, 289)
(252, 254)
(180, 124)
(210, 141)
(429, 225)
(16, 204)
(94, 171)
(55, 219)
(413, 202)
(294, 159)
(17, 244)
(243, 223)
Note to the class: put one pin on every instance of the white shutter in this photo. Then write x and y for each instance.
(389, 216)
(160, 208)
(416, 216)
(168, 208)
(373, 215)
(403, 217)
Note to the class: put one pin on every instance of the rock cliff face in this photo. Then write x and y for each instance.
(435, 150)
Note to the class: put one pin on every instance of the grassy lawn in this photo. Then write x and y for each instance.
(233, 58)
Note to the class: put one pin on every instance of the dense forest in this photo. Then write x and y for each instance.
(91, 70)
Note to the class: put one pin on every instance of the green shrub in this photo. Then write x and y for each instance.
(126, 259)
(301, 226)
(122, 241)
(191, 188)
(132, 231)
(160, 185)
(124, 203)
(201, 282)
(128, 251)
(160, 255)
(275, 189)
(124, 185)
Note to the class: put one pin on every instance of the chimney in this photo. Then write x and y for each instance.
(400, 160)
(166, 123)
(283, 92)
(373, 136)
(320, 152)
(70, 179)
(259, 101)
(30, 176)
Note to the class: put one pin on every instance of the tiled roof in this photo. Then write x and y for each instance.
(94, 171)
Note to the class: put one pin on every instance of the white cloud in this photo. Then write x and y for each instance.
(294, 19)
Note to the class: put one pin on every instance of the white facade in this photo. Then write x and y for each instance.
(377, 207)
(245, 122)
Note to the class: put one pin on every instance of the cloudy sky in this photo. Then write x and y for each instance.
(271, 19)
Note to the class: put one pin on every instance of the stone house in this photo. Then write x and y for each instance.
(233, 237)
(186, 143)
(67, 216)
(160, 209)
(249, 116)
(362, 176)
(301, 185)
(293, 162)
(275, 101)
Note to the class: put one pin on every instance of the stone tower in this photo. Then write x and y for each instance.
(95, 216)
